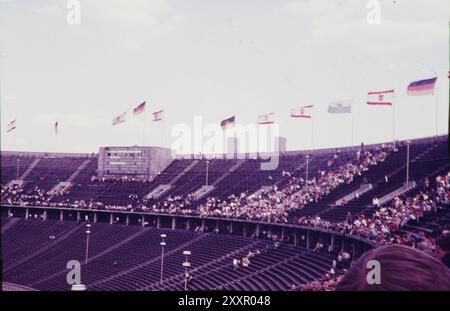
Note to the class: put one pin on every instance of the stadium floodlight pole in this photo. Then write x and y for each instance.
(186, 265)
(207, 171)
(407, 162)
(307, 171)
(88, 232)
(17, 169)
(163, 243)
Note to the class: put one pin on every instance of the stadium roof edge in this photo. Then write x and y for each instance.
(185, 156)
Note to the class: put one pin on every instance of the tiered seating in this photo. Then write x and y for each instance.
(80, 188)
(431, 157)
(29, 236)
(426, 157)
(51, 171)
(277, 269)
(431, 223)
(118, 191)
(249, 177)
(128, 258)
(9, 167)
(61, 250)
(196, 176)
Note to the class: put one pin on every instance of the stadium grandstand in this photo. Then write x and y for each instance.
(209, 223)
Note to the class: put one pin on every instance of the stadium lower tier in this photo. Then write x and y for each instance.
(120, 257)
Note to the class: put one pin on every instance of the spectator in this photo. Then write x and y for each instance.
(235, 264)
(443, 249)
(401, 268)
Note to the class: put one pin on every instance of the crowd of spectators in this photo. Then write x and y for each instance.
(385, 221)
(272, 205)
(384, 227)
(120, 178)
(15, 195)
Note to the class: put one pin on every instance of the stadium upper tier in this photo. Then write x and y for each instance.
(332, 183)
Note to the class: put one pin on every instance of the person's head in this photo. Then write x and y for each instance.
(443, 245)
(399, 268)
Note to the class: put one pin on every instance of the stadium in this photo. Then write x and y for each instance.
(159, 146)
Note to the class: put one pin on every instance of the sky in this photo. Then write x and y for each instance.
(215, 59)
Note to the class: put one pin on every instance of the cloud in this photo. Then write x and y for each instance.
(335, 22)
(132, 22)
(128, 24)
(50, 9)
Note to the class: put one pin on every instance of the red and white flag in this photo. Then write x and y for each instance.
(139, 109)
(119, 119)
(268, 118)
(381, 98)
(11, 126)
(157, 115)
(302, 112)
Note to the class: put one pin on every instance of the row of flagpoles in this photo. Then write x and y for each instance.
(157, 115)
(376, 98)
(138, 110)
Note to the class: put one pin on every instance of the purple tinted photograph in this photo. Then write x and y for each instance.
(224, 146)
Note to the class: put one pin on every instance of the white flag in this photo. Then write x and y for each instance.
(266, 118)
(119, 119)
(11, 126)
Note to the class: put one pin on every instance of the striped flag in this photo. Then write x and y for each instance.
(422, 87)
(266, 118)
(139, 109)
(119, 119)
(157, 115)
(385, 98)
(341, 106)
(228, 123)
(302, 112)
(11, 126)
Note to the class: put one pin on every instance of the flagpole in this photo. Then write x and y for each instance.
(143, 132)
(143, 128)
(312, 132)
(162, 134)
(436, 117)
(56, 138)
(393, 117)
(353, 124)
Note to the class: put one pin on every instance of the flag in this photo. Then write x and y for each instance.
(11, 126)
(302, 112)
(139, 109)
(119, 119)
(56, 127)
(341, 106)
(227, 123)
(381, 98)
(266, 118)
(157, 115)
(422, 87)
